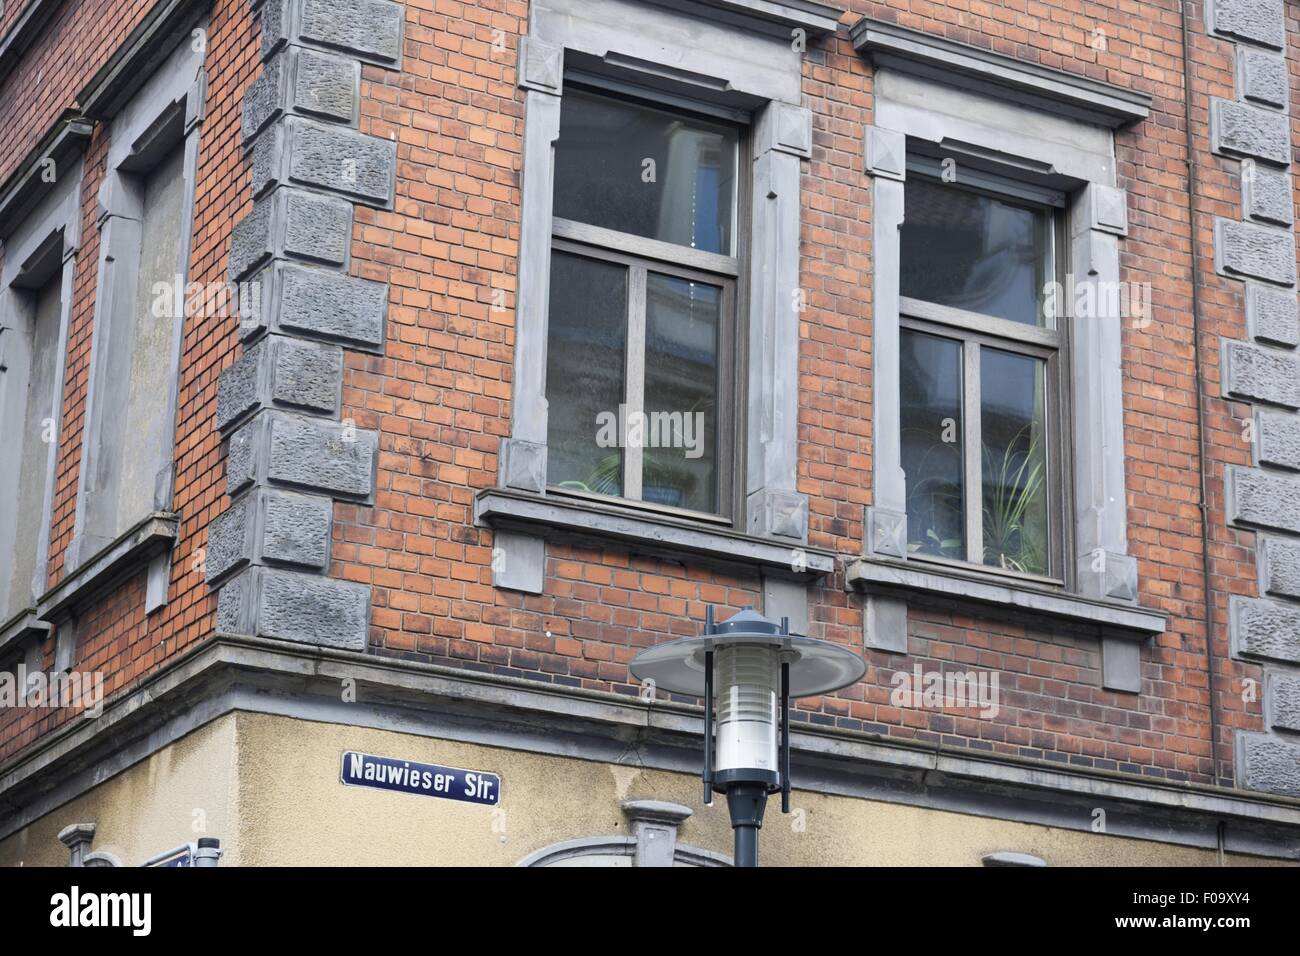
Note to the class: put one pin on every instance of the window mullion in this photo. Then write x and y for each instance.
(634, 377)
(972, 453)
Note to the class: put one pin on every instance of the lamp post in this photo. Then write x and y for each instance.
(747, 669)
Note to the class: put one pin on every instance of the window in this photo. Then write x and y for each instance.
(981, 412)
(41, 238)
(640, 349)
(145, 231)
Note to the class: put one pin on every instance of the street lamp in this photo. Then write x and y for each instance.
(756, 667)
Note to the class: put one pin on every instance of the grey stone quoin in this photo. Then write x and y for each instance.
(289, 456)
(1265, 371)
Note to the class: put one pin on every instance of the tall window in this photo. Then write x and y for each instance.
(981, 363)
(642, 309)
(28, 431)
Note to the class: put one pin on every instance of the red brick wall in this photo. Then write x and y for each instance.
(440, 396)
(116, 637)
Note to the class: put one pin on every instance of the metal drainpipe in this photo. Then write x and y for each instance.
(1202, 457)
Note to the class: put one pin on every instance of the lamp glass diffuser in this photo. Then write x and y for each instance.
(748, 679)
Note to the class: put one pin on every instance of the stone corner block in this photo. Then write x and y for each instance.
(1255, 373)
(270, 526)
(1239, 129)
(1256, 21)
(1266, 194)
(370, 30)
(305, 81)
(1246, 250)
(281, 372)
(778, 514)
(292, 223)
(292, 606)
(1282, 702)
(318, 304)
(304, 152)
(518, 562)
(1278, 564)
(1277, 439)
(1259, 629)
(1268, 764)
(1262, 77)
(1262, 499)
(312, 454)
(1272, 316)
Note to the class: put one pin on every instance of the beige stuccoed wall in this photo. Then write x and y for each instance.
(183, 792)
(270, 788)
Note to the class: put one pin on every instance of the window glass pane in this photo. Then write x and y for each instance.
(1012, 424)
(680, 450)
(584, 373)
(973, 252)
(654, 174)
(930, 419)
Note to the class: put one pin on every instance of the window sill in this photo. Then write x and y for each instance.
(21, 627)
(551, 517)
(128, 555)
(1113, 619)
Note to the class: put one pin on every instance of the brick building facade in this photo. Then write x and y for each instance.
(292, 279)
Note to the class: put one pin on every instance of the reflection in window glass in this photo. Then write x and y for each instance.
(973, 252)
(626, 167)
(931, 431)
(584, 371)
(1012, 415)
(679, 463)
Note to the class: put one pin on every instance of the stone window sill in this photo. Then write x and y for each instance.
(1112, 619)
(19, 628)
(550, 516)
(128, 555)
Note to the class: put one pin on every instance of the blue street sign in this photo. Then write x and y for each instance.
(422, 779)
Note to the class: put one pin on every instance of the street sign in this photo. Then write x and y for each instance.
(182, 855)
(421, 779)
